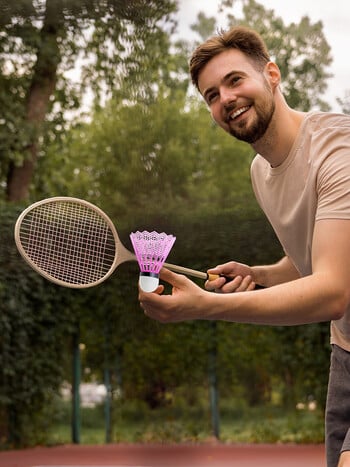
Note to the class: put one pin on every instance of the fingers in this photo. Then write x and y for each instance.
(246, 284)
(180, 305)
(167, 276)
(171, 277)
(237, 284)
(149, 302)
(237, 278)
(216, 284)
(159, 306)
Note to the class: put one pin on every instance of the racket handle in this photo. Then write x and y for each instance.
(187, 271)
(212, 277)
(199, 274)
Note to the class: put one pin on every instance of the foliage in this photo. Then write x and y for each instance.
(35, 323)
(254, 361)
(119, 337)
(301, 51)
(161, 149)
(303, 377)
(184, 422)
(40, 44)
(344, 102)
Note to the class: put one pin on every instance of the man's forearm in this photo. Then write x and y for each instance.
(302, 301)
(274, 274)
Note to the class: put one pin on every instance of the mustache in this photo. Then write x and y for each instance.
(230, 107)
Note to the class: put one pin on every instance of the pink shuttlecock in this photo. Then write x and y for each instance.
(151, 250)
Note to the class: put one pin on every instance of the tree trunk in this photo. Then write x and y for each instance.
(38, 98)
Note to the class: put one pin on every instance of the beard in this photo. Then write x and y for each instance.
(256, 130)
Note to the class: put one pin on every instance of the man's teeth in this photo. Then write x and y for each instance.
(239, 112)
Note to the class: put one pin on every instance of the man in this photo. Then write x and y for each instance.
(301, 179)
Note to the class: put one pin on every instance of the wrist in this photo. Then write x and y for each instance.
(259, 275)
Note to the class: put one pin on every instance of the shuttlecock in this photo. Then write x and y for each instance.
(151, 250)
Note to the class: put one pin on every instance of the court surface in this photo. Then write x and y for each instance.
(204, 455)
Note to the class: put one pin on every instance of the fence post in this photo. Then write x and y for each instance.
(213, 382)
(76, 422)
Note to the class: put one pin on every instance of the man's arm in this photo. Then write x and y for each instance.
(322, 296)
(274, 274)
(244, 278)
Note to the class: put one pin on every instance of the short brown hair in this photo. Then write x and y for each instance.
(241, 38)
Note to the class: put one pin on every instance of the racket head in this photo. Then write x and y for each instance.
(69, 241)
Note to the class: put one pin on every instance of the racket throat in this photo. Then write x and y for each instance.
(148, 281)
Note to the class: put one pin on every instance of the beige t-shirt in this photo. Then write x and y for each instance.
(312, 183)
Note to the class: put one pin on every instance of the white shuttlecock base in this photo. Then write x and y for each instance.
(148, 282)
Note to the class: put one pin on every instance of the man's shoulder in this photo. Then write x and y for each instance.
(319, 120)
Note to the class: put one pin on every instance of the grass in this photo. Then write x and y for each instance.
(135, 422)
(271, 425)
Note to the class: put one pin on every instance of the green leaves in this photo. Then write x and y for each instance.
(300, 49)
(35, 324)
(41, 42)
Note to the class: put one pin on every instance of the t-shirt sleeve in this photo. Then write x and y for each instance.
(333, 181)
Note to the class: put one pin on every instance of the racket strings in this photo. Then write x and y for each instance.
(69, 241)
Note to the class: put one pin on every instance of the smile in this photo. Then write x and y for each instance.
(238, 112)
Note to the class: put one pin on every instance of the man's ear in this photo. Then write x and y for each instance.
(272, 74)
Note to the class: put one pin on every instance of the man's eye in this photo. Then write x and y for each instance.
(211, 97)
(235, 79)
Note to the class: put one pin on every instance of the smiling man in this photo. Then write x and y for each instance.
(234, 114)
(301, 179)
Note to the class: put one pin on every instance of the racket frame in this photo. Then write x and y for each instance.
(121, 253)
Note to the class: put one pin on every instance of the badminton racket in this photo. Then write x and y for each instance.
(73, 243)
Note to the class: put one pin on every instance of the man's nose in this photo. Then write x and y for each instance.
(227, 96)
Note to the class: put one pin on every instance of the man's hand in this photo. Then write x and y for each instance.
(240, 278)
(183, 304)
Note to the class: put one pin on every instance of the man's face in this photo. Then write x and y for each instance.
(239, 97)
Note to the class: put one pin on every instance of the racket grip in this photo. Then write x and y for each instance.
(200, 274)
(212, 277)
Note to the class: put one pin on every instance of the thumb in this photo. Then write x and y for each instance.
(172, 278)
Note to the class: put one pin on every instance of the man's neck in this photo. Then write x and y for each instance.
(279, 138)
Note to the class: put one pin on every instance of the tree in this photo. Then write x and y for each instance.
(133, 159)
(300, 49)
(40, 43)
(36, 321)
(344, 102)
